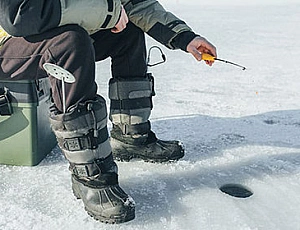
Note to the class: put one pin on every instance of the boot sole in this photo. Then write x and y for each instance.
(122, 153)
(130, 215)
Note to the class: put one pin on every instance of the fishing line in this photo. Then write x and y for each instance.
(208, 57)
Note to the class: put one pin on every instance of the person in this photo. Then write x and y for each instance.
(74, 35)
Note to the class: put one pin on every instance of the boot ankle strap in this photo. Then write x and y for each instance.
(93, 169)
(142, 128)
(88, 141)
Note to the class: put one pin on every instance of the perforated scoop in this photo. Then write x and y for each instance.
(59, 72)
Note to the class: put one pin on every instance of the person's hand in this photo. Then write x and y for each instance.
(200, 45)
(121, 25)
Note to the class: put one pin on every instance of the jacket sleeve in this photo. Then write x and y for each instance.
(92, 15)
(160, 24)
(23, 17)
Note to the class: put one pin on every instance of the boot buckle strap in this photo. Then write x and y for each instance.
(92, 169)
(87, 141)
(142, 128)
(131, 104)
(86, 170)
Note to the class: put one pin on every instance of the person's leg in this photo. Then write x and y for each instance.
(82, 131)
(127, 50)
(130, 92)
(23, 58)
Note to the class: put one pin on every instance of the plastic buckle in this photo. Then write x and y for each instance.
(72, 144)
(87, 141)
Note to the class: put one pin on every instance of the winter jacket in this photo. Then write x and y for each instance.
(24, 18)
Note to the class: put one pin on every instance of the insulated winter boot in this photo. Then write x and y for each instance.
(83, 137)
(97, 185)
(131, 135)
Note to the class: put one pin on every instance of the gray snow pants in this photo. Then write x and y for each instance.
(73, 49)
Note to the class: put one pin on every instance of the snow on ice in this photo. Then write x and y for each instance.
(237, 126)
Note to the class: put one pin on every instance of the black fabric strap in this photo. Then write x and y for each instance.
(141, 129)
(129, 104)
(88, 141)
(102, 181)
(92, 169)
(98, 173)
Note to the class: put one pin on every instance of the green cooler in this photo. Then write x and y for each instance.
(25, 133)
